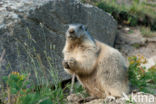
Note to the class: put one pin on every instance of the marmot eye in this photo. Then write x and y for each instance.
(86, 29)
(81, 27)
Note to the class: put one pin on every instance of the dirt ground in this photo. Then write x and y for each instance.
(131, 42)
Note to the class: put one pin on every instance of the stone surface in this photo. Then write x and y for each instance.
(132, 42)
(133, 98)
(32, 33)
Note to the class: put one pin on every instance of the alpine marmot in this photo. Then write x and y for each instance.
(100, 68)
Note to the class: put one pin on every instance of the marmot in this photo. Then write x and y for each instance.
(100, 68)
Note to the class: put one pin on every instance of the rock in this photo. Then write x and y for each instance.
(133, 98)
(74, 98)
(150, 62)
(97, 101)
(127, 29)
(32, 34)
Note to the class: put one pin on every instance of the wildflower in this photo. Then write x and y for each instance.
(153, 68)
(28, 86)
(15, 73)
(141, 59)
(21, 77)
(24, 90)
(132, 62)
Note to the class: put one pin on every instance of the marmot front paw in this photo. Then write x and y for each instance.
(65, 64)
(69, 64)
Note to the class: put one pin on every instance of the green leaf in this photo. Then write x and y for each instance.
(47, 101)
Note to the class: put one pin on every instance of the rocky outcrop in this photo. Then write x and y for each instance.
(32, 33)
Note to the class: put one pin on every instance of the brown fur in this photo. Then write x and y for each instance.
(98, 67)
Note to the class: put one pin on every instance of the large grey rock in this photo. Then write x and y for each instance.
(32, 33)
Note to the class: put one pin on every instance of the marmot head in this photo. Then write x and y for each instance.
(78, 31)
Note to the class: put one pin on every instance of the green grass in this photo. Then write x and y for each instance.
(146, 32)
(78, 89)
(136, 13)
(136, 45)
(21, 90)
(130, 31)
(141, 78)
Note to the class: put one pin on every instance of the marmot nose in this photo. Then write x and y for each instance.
(71, 31)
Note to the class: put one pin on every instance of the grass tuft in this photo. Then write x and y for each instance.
(135, 12)
(146, 32)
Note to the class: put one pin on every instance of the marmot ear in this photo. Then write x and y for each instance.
(81, 26)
